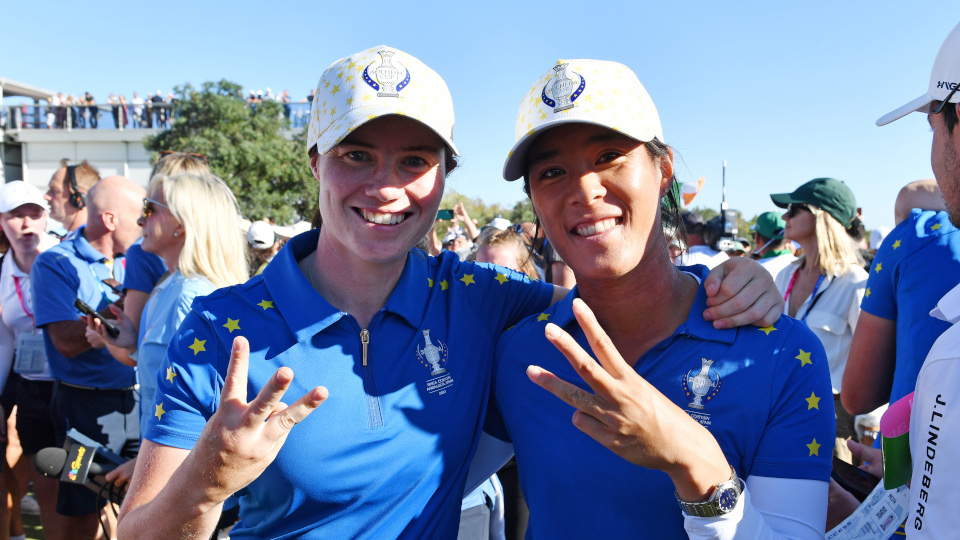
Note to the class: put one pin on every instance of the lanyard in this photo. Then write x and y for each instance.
(813, 295)
(96, 278)
(16, 282)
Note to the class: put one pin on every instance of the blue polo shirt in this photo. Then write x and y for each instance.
(73, 269)
(764, 394)
(386, 456)
(143, 269)
(917, 264)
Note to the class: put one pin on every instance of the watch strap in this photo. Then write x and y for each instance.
(722, 500)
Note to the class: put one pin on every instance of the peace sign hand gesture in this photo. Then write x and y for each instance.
(628, 415)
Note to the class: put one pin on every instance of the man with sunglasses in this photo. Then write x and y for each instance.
(93, 392)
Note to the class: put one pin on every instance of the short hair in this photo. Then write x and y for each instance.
(950, 116)
(86, 174)
(176, 163)
(214, 247)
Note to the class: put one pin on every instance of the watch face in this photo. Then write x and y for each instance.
(727, 500)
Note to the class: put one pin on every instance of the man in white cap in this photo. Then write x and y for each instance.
(263, 243)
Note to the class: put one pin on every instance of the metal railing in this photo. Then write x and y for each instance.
(149, 115)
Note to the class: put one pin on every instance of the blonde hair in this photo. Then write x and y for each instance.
(493, 237)
(179, 163)
(213, 245)
(836, 250)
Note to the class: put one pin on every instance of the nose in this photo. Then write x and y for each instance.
(142, 221)
(589, 189)
(385, 183)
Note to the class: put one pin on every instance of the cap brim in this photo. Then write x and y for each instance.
(922, 103)
(361, 115)
(784, 199)
(516, 163)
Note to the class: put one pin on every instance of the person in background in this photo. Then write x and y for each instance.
(138, 118)
(700, 240)
(824, 287)
(23, 217)
(922, 194)
(505, 248)
(92, 111)
(264, 245)
(67, 195)
(773, 252)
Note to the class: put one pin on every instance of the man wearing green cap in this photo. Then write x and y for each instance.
(773, 252)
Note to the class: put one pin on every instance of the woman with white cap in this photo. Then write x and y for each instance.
(23, 220)
(402, 341)
(684, 410)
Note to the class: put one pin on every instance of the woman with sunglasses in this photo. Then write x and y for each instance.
(404, 342)
(824, 287)
(682, 411)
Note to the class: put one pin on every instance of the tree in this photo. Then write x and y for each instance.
(268, 173)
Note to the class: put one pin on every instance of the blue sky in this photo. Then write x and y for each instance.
(784, 93)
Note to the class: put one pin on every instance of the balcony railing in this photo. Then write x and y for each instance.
(150, 115)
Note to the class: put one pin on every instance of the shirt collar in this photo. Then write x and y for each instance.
(948, 308)
(87, 251)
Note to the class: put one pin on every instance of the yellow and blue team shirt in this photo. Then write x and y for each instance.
(917, 264)
(386, 455)
(764, 394)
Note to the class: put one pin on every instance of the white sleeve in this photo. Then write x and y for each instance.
(492, 454)
(770, 508)
(7, 347)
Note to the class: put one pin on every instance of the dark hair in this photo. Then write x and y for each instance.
(950, 116)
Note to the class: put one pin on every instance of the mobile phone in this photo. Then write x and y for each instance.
(112, 283)
(858, 482)
(112, 330)
(445, 214)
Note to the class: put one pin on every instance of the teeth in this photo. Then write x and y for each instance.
(596, 228)
(381, 218)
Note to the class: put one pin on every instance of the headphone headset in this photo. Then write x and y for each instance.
(77, 199)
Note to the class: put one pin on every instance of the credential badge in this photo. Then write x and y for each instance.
(387, 75)
(702, 386)
(562, 89)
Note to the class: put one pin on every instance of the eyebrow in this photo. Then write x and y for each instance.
(418, 148)
(548, 154)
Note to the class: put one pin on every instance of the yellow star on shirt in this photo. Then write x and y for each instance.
(467, 279)
(501, 278)
(935, 227)
(444, 285)
(232, 324)
(543, 317)
(867, 294)
(813, 402)
(804, 358)
(160, 412)
(879, 267)
(266, 304)
(197, 346)
(814, 447)
(896, 244)
(170, 374)
(767, 329)
(429, 282)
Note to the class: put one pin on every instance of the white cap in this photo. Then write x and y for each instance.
(260, 235)
(499, 223)
(19, 193)
(301, 227)
(375, 83)
(284, 232)
(943, 78)
(596, 92)
(877, 236)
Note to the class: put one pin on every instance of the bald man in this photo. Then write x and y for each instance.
(68, 203)
(922, 194)
(94, 393)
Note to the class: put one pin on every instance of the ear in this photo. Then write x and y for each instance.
(666, 172)
(110, 221)
(315, 166)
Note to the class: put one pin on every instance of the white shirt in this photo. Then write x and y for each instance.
(834, 316)
(935, 432)
(704, 255)
(12, 315)
(775, 264)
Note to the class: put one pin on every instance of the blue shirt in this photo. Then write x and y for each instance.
(144, 269)
(168, 305)
(73, 269)
(767, 399)
(917, 264)
(386, 455)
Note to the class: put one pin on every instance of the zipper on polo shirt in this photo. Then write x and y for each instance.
(365, 341)
(374, 413)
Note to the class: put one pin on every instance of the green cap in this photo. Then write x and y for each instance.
(830, 195)
(769, 225)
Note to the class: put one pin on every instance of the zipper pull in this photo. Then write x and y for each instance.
(365, 340)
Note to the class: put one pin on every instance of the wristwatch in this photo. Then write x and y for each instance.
(722, 501)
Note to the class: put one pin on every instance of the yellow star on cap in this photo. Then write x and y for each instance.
(336, 88)
(867, 294)
(804, 358)
(266, 304)
(543, 317)
(879, 266)
(170, 374)
(935, 227)
(896, 244)
(160, 412)
(366, 97)
(349, 101)
(814, 447)
(813, 402)
(467, 279)
(197, 346)
(501, 278)
(429, 282)
(444, 285)
(232, 324)
(767, 329)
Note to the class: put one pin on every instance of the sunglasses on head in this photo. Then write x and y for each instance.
(148, 206)
(794, 208)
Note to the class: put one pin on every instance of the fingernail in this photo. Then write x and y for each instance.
(707, 316)
(551, 331)
(534, 371)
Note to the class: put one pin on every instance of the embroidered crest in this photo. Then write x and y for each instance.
(387, 75)
(562, 89)
(702, 386)
(433, 356)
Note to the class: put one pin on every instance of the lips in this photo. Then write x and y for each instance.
(383, 218)
(596, 227)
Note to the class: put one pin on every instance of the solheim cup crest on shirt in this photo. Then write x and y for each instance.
(562, 88)
(700, 385)
(387, 75)
(434, 357)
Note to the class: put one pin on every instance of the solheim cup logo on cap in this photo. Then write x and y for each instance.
(561, 89)
(434, 358)
(387, 75)
(700, 388)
